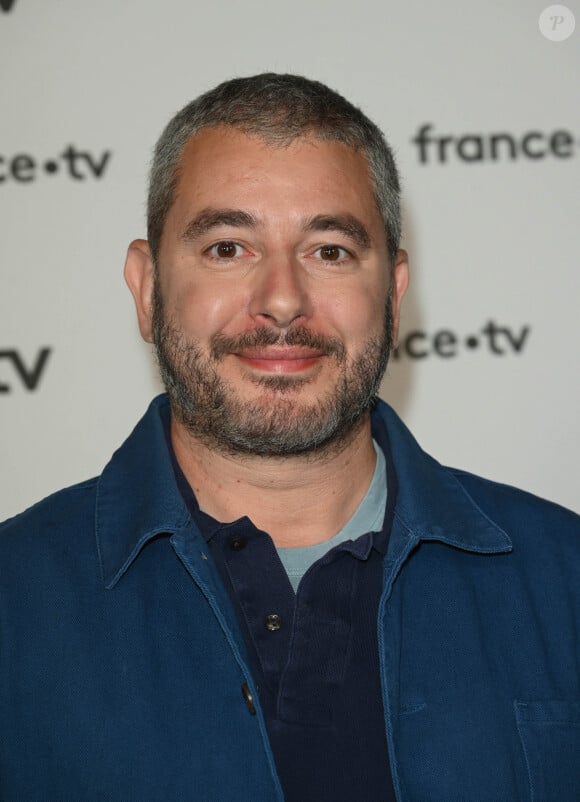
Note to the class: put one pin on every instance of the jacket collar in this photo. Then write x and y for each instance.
(432, 504)
(138, 497)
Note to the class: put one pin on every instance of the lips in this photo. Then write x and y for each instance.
(288, 359)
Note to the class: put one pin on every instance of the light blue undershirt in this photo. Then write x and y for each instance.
(368, 517)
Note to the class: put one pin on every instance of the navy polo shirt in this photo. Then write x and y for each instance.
(313, 654)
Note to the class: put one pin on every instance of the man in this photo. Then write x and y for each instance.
(271, 592)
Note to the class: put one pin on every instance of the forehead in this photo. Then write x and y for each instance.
(225, 167)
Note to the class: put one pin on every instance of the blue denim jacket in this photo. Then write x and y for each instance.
(123, 674)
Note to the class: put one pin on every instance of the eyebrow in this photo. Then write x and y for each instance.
(346, 224)
(213, 218)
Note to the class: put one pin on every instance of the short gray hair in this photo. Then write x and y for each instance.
(277, 108)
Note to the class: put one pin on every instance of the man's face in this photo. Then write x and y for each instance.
(272, 309)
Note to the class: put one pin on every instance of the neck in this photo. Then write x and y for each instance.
(299, 500)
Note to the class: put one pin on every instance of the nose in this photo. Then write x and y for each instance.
(280, 294)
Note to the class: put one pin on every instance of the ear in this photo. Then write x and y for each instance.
(140, 280)
(400, 282)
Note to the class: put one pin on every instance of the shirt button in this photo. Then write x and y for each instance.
(248, 698)
(237, 542)
(273, 622)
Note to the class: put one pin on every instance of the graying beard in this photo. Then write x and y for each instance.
(212, 426)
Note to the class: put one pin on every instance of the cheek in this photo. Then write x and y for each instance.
(203, 310)
(358, 316)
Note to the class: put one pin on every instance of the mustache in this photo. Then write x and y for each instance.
(221, 345)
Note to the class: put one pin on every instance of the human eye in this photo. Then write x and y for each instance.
(332, 253)
(225, 249)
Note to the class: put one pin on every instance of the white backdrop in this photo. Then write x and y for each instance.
(487, 374)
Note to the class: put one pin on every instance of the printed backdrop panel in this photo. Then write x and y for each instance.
(482, 108)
